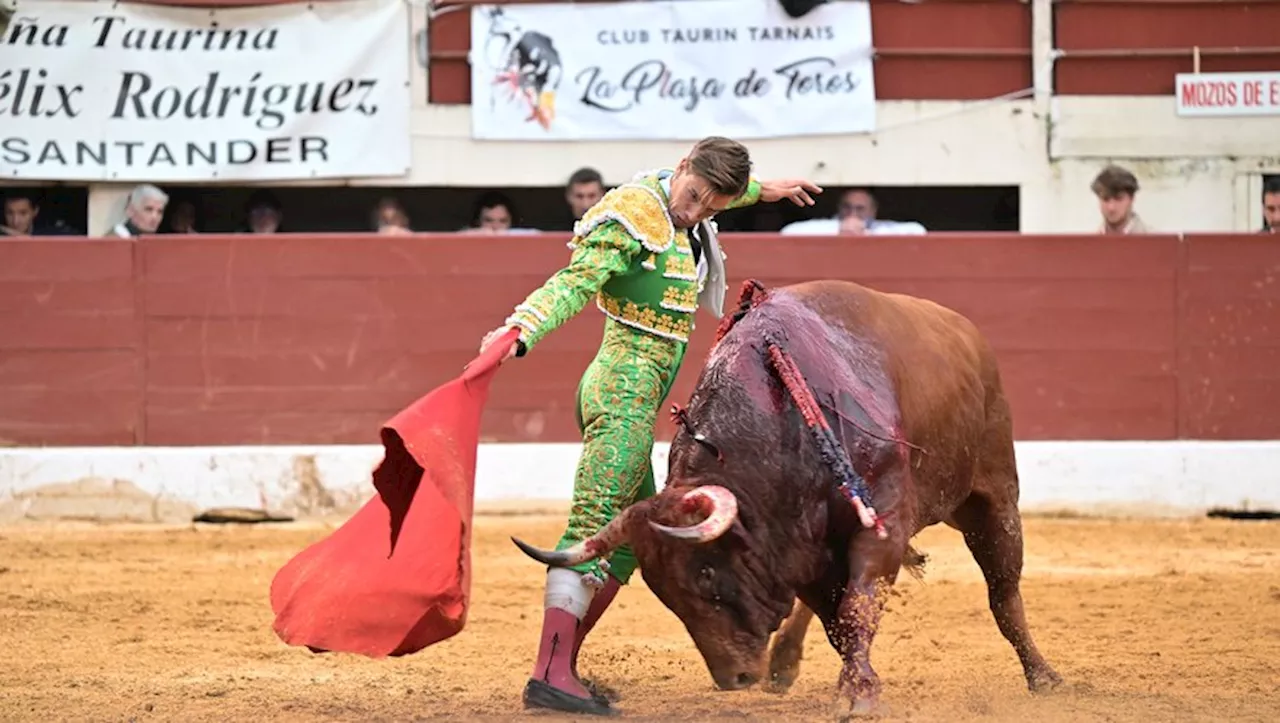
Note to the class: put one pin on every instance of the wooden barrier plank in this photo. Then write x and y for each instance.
(70, 342)
(61, 258)
(1230, 338)
(255, 427)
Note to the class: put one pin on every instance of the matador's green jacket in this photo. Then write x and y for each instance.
(642, 272)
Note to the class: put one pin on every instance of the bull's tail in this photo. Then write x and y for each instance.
(914, 562)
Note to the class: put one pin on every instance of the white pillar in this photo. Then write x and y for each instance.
(106, 206)
(1042, 53)
(1248, 202)
(1037, 191)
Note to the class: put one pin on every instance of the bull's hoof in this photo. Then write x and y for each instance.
(858, 696)
(784, 668)
(538, 694)
(781, 680)
(1044, 680)
(784, 665)
(860, 709)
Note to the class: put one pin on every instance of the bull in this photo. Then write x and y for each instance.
(831, 424)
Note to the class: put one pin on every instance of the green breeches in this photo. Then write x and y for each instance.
(618, 402)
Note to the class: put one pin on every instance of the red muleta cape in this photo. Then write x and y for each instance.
(396, 577)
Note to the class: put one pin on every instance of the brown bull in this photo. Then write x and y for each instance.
(753, 515)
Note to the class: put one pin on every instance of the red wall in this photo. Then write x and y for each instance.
(319, 339)
(1136, 47)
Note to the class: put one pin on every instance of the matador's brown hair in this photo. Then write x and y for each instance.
(724, 163)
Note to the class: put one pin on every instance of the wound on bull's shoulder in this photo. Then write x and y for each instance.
(680, 415)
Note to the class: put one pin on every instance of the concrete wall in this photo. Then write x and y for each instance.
(170, 484)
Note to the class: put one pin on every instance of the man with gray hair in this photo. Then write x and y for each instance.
(143, 211)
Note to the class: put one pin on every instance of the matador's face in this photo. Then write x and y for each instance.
(692, 198)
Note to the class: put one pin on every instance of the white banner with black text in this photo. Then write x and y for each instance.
(670, 70)
(128, 92)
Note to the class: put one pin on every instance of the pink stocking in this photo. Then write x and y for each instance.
(599, 604)
(555, 652)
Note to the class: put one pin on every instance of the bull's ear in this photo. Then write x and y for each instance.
(639, 514)
(738, 533)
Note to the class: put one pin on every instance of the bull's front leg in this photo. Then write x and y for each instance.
(788, 649)
(873, 568)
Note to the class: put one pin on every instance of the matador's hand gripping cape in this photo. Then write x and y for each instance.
(397, 576)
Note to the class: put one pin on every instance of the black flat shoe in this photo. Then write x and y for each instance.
(538, 694)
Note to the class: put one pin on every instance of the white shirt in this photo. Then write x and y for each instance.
(831, 227)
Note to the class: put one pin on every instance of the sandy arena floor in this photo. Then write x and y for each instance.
(1146, 621)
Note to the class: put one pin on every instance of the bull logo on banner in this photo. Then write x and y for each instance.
(6, 14)
(524, 64)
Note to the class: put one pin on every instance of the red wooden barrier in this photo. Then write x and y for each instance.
(320, 339)
(71, 354)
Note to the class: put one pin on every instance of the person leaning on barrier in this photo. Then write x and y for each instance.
(1116, 188)
(1271, 205)
(495, 214)
(858, 215)
(390, 219)
(143, 211)
(20, 211)
(584, 190)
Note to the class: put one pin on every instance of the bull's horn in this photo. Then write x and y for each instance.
(724, 510)
(601, 543)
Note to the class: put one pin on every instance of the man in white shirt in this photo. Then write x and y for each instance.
(856, 217)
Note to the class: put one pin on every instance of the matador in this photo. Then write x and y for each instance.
(647, 253)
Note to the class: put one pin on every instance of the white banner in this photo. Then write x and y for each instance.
(126, 92)
(670, 70)
(1227, 94)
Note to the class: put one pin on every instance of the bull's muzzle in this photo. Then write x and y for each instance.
(718, 504)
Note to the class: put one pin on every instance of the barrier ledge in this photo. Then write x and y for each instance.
(1153, 479)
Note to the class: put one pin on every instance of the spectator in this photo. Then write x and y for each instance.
(495, 214)
(20, 211)
(263, 213)
(1271, 205)
(389, 217)
(1116, 188)
(856, 217)
(143, 210)
(182, 217)
(584, 190)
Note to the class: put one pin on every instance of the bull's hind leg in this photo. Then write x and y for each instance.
(788, 648)
(992, 529)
